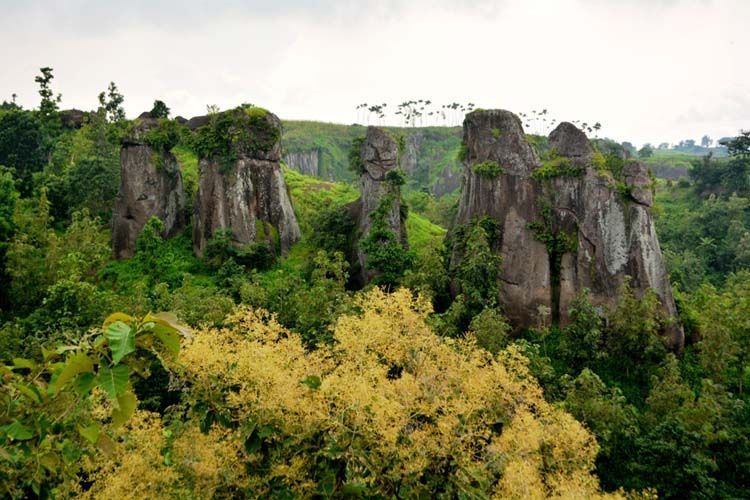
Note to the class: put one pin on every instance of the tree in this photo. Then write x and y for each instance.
(8, 198)
(159, 110)
(112, 101)
(646, 151)
(22, 146)
(49, 104)
(706, 141)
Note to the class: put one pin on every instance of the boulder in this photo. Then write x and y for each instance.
(562, 233)
(241, 186)
(150, 186)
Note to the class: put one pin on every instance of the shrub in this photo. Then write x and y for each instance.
(489, 169)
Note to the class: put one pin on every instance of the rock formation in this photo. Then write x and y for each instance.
(150, 185)
(241, 187)
(305, 162)
(565, 224)
(73, 118)
(379, 206)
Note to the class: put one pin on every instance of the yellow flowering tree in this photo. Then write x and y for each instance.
(390, 409)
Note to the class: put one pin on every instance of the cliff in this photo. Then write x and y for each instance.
(241, 187)
(566, 223)
(380, 222)
(150, 186)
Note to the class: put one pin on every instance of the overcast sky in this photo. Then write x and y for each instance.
(648, 70)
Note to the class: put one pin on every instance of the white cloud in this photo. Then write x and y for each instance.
(649, 71)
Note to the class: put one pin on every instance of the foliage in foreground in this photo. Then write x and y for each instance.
(389, 410)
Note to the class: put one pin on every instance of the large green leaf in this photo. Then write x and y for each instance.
(91, 433)
(168, 336)
(16, 430)
(23, 363)
(169, 320)
(121, 339)
(126, 403)
(74, 365)
(113, 381)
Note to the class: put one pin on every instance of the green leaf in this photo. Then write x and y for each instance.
(168, 319)
(50, 461)
(118, 316)
(23, 363)
(126, 403)
(121, 338)
(113, 380)
(169, 337)
(85, 383)
(75, 365)
(18, 431)
(312, 381)
(30, 391)
(90, 433)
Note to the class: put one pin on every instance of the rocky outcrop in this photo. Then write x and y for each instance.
(150, 186)
(379, 206)
(241, 187)
(73, 118)
(305, 162)
(410, 155)
(565, 224)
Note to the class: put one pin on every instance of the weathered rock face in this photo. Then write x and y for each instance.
(410, 156)
(380, 197)
(150, 185)
(307, 162)
(245, 194)
(73, 118)
(511, 199)
(596, 236)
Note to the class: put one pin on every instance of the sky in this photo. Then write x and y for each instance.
(647, 70)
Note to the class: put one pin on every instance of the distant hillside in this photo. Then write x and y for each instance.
(321, 150)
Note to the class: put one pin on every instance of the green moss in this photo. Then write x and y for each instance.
(463, 153)
(489, 169)
(240, 131)
(557, 166)
(496, 133)
(256, 112)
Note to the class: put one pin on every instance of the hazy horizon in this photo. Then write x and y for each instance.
(648, 71)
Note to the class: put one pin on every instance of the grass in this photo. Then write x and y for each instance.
(423, 235)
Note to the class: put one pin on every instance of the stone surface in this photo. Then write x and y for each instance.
(197, 121)
(73, 118)
(305, 162)
(247, 195)
(613, 233)
(150, 185)
(379, 153)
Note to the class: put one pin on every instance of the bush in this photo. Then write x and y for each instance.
(490, 330)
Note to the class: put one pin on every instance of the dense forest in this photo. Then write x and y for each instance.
(262, 371)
